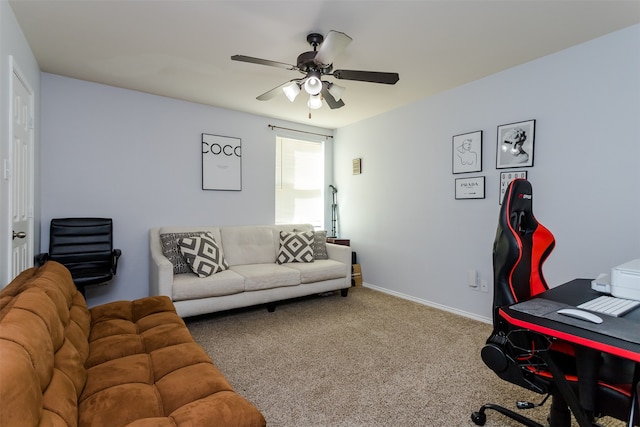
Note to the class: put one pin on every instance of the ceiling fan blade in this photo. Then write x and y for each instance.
(259, 61)
(275, 91)
(330, 100)
(271, 93)
(367, 76)
(332, 46)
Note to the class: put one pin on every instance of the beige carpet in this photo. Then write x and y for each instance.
(369, 359)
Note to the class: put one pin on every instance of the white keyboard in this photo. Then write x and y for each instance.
(610, 305)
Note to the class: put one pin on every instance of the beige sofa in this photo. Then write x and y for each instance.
(256, 273)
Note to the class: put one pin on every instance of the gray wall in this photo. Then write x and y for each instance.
(413, 239)
(136, 158)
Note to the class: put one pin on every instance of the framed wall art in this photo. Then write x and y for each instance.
(221, 162)
(357, 166)
(515, 145)
(470, 188)
(467, 152)
(506, 178)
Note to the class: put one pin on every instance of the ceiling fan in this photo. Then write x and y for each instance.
(316, 64)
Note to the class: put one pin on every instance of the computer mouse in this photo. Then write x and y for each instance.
(580, 314)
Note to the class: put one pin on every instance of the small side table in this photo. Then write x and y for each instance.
(356, 271)
(335, 240)
(356, 275)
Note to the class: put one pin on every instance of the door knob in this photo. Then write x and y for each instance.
(19, 234)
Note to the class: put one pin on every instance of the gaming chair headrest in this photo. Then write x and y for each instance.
(517, 207)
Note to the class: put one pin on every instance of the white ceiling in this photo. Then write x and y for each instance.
(182, 48)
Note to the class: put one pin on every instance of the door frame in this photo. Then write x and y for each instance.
(6, 174)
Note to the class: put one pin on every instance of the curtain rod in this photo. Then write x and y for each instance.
(301, 131)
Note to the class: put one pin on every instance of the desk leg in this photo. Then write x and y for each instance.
(567, 393)
(634, 395)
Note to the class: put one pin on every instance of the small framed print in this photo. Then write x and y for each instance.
(357, 166)
(506, 178)
(470, 188)
(515, 145)
(467, 152)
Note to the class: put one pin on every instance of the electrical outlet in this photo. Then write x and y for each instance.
(484, 287)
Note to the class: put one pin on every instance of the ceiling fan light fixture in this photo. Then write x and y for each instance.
(313, 84)
(315, 102)
(291, 90)
(336, 91)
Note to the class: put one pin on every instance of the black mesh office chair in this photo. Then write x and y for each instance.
(85, 247)
(530, 360)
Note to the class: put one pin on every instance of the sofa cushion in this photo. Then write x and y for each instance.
(189, 286)
(295, 247)
(43, 347)
(34, 381)
(145, 369)
(171, 250)
(248, 245)
(318, 271)
(266, 276)
(202, 254)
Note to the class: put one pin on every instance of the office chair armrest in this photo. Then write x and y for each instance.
(116, 255)
(40, 259)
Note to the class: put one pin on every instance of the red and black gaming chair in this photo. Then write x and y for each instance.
(525, 358)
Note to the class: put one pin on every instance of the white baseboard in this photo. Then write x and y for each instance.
(430, 303)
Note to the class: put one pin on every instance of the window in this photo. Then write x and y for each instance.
(299, 182)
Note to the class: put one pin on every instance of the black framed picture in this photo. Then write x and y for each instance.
(470, 188)
(506, 178)
(515, 145)
(467, 152)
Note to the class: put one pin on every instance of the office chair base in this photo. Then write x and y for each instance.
(479, 418)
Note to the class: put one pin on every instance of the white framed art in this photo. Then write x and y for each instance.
(221, 162)
(467, 152)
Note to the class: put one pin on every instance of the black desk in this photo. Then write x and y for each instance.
(598, 336)
(617, 336)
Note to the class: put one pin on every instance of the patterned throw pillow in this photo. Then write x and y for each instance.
(295, 247)
(170, 250)
(202, 254)
(320, 245)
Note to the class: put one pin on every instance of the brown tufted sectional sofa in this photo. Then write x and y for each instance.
(125, 363)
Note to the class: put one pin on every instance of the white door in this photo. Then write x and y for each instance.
(21, 173)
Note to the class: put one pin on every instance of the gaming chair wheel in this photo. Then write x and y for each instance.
(479, 418)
